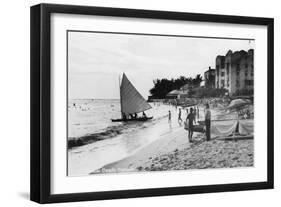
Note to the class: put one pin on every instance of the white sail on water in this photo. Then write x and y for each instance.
(131, 100)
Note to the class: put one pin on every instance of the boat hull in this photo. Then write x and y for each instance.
(136, 119)
(196, 128)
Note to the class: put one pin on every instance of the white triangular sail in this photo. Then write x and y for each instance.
(131, 100)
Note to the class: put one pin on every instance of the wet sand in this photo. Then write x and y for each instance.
(176, 153)
(175, 140)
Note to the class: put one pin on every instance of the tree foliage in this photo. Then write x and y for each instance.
(209, 92)
(163, 86)
(244, 91)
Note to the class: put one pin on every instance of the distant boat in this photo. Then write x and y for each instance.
(132, 102)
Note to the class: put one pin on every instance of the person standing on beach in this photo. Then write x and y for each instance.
(197, 113)
(190, 118)
(144, 115)
(194, 112)
(169, 117)
(179, 118)
(208, 122)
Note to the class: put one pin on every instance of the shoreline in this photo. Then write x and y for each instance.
(176, 153)
(175, 139)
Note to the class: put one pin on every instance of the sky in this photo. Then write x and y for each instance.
(97, 60)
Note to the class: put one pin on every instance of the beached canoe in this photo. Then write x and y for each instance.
(196, 128)
(134, 119)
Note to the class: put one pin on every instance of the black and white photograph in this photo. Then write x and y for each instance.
(130, 103)
(140, 103)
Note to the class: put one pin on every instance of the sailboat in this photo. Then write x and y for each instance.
(132, 102)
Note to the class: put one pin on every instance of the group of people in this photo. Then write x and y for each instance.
(191, 117)
(195, 112)
(83, 107)
(191, 120)
(132, 116)
(245, 114)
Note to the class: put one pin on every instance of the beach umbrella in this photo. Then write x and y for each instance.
(237, 104)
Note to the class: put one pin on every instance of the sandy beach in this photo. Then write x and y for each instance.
(176, 153)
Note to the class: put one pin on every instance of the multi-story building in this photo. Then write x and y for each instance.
(210, 78)
(235, 71)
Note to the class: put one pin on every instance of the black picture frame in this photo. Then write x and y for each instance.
(41, 102)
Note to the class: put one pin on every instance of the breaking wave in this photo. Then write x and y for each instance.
(110, 132)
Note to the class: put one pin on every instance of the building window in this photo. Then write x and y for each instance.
(227, 65)
(238, 69)
(246, 73)
(238, 72)
(222, 74)
(249, 82)
(227, 71)
(237, 83)
(252, 72)
(222, 83)
(246, 65)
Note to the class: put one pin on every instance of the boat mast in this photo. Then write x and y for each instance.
(120, 97)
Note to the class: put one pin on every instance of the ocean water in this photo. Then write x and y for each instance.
(88, 117)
